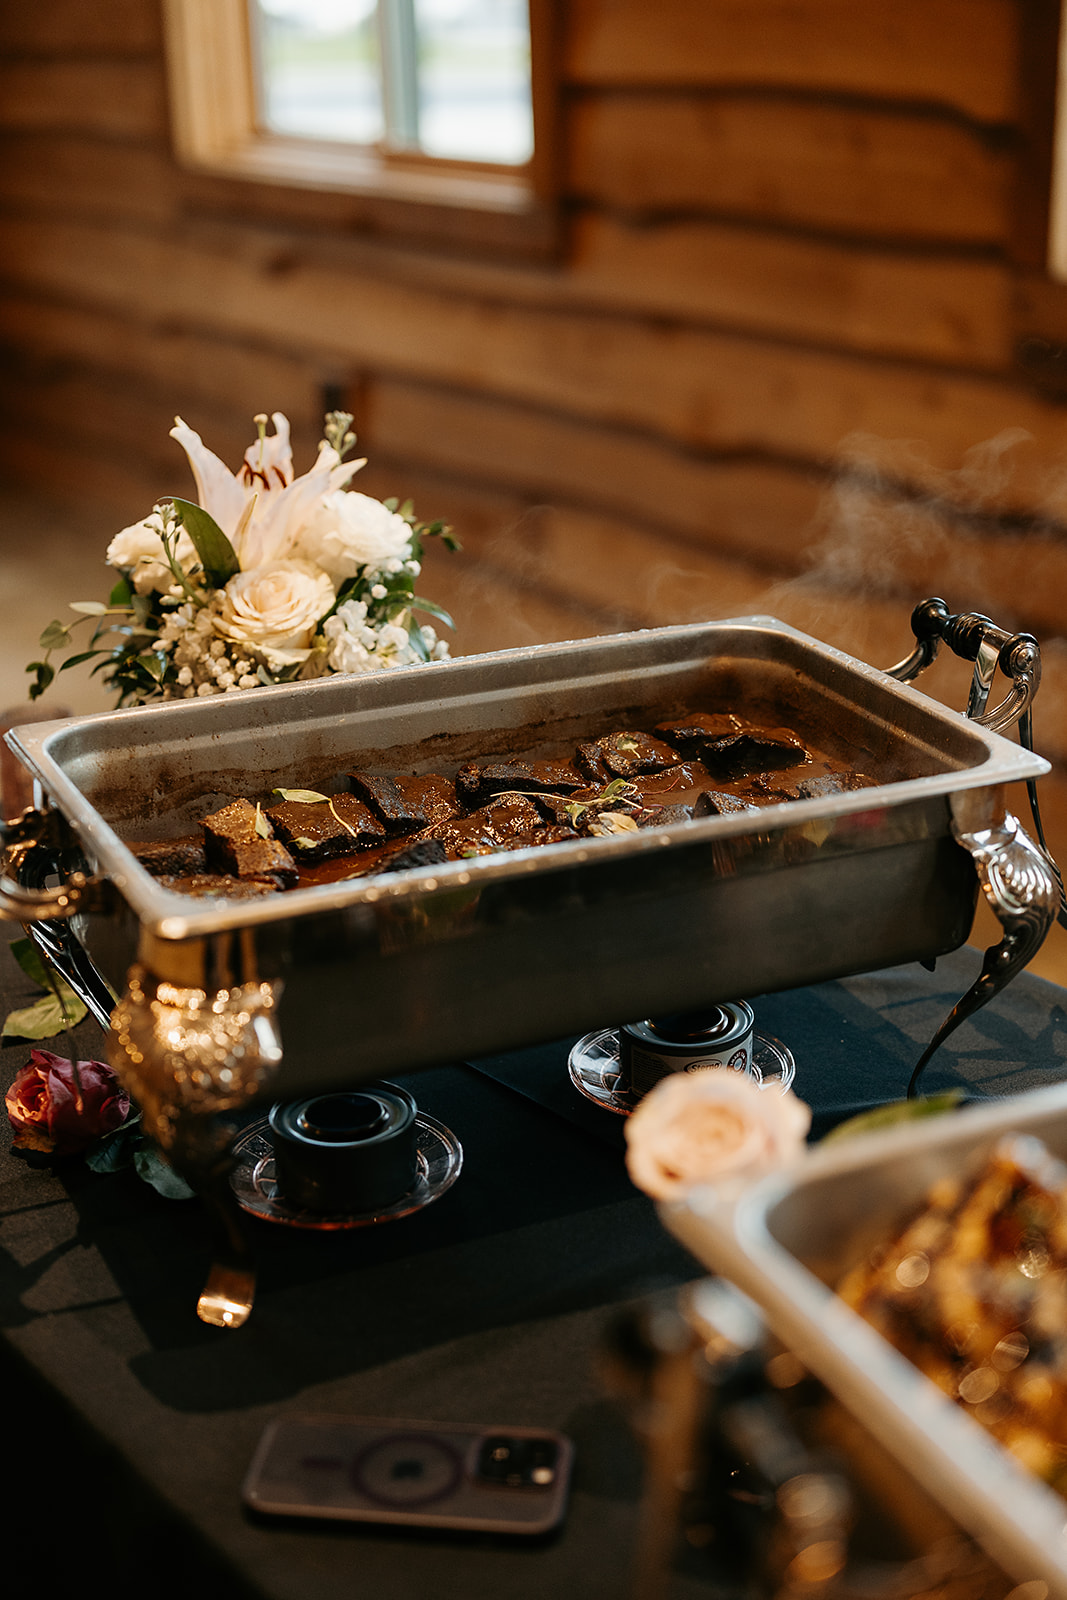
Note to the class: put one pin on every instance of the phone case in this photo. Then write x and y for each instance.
(422, 1474)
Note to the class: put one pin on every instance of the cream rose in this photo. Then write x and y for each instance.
(275, 608)
(351, 530)
(139, 551)
(711, 1125)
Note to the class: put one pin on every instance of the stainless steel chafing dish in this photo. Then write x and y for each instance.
(385, 973)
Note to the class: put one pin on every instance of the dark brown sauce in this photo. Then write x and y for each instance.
(520, 818)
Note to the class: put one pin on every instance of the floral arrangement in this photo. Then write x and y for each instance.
(713, 1125)
(268, 578)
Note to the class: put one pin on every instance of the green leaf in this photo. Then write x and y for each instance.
(154, 665)
(896, 1112)
(45, 674)
(54, 637)
(46, 1017)
(116, 1149)
(308, 797)
(434, 611)
(418, 643)
(121, 594)
(30, 960)
(84, 655)
(89, 608)
(150, 1166)
(212, 546)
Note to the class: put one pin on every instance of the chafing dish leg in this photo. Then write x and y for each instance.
(1023, 891)
(187, 1056)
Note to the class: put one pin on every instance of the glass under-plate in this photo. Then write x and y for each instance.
(438, 1152)
(593, 1065)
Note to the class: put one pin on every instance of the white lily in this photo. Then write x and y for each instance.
(262, 509)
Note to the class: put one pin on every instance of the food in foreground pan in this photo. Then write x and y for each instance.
(696, 765)
(973, 1291)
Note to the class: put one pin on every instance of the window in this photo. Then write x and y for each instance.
(437, 115)
(445, 78)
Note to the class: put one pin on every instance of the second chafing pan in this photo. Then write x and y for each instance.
(787, 1240)
(385, 973)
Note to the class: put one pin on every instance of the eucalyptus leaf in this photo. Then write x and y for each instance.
(89, 608)
(150, 1166)
(212, 546)
(895, 1113)
(55, 636)
(308, 797)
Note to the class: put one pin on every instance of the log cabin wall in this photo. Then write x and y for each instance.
(771, 367)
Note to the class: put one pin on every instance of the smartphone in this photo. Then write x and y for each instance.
(420, 1474)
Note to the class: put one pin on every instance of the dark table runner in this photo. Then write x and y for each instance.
(489, 1306)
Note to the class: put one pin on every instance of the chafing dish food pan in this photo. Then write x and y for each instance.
(384, 973)
(787, 1240)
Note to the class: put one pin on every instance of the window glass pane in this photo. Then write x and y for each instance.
(320, 72)
(474, 79)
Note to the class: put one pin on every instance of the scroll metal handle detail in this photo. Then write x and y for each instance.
(1022, 887)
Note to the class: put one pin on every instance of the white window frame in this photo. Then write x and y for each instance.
(216, 131)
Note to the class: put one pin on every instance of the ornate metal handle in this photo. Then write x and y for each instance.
(975, 638)
(1023, 891)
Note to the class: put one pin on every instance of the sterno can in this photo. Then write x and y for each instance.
(684, 1041)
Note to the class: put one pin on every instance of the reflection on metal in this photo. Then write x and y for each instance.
(186, 1055)
(1023, 891)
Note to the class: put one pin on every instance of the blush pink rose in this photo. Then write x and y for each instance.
(711, 1126)
(54, 1110)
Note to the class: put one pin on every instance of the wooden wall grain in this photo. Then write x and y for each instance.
(774, 366)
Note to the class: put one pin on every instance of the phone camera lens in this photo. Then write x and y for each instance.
(518, 1463)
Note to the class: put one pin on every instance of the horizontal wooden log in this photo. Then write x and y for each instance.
(843, 536)
(786, 160)
(719, 392)
(173, 363)
(960, 53)
(99, 179)
(121, 28)
(917, 304)
(117, 99)
(382, 308)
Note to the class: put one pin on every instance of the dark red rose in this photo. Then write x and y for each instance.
(54, 1109)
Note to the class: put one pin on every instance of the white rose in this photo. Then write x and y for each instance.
(275, 608)
(350, 530)
(139, 551)
(709, 1125)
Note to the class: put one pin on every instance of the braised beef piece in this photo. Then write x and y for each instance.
(713, 803)
(673, 786)
(171, 857)
(404, 805)
(690, 733)
(219, 886)
(624, 755)
(234, 844)
(317, 830)
(475, 785)
(492, 827)
(661, 816)
(746, 755)
(833, 783)
(423, 853)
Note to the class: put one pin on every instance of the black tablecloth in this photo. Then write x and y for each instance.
(489, 1306)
